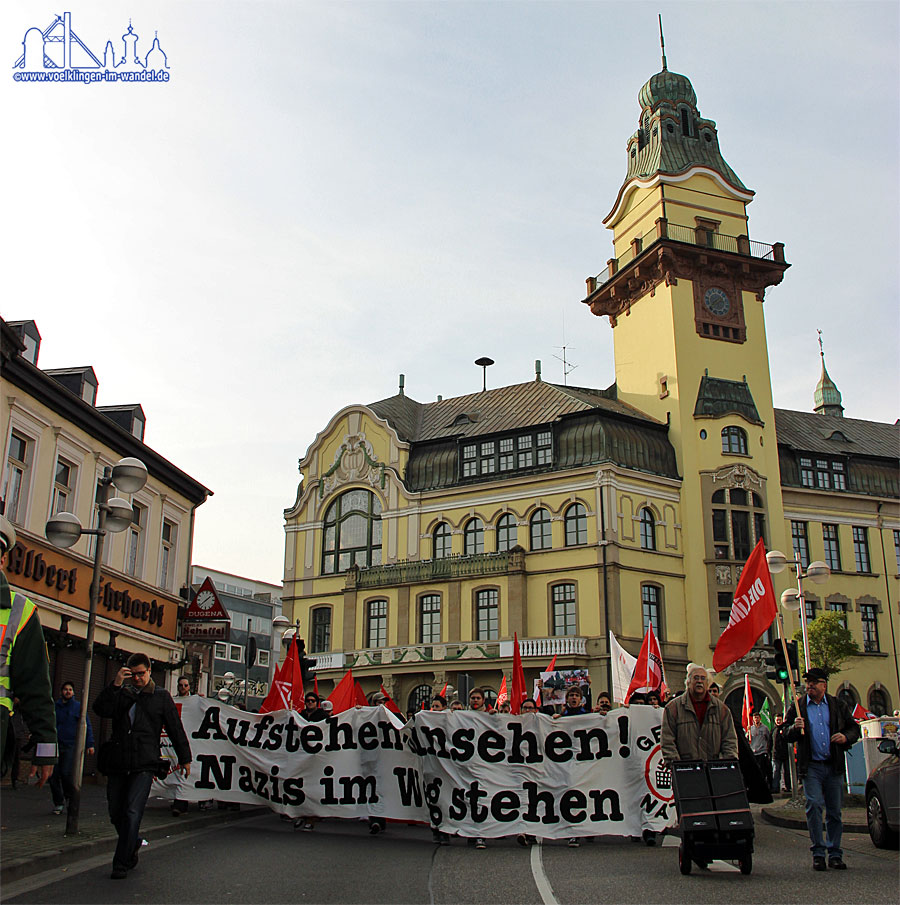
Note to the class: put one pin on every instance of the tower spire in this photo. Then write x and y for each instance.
(662, 43)
(827, 396)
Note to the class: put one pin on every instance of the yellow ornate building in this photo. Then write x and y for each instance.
(424, 536)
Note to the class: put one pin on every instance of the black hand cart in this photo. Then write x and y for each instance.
(713, 814)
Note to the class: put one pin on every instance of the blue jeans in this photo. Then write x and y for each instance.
(126, 795)
(824, 789)
(780, 769)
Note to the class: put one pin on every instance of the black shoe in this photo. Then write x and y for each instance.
(837, 864)
(118, 873)
(375, 828)
(649, 837)
(440, 838)
(819, 862)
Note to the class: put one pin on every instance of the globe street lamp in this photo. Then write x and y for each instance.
(817, 571)
(63, 530)
(278, 623)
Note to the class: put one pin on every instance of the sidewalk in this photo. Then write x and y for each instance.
(783, 813)
(34, 837)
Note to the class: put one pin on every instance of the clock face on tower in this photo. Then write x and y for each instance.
(716, 301)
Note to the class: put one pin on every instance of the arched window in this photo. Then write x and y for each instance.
(648, 529)
(734, 440)
(847, 695)
(420, 695)
(878, 702)
(563, 603)
(650, 607)
(576, 525)
(506, 533)
(376, 623)
(320, 625)
(442, 541)
(487, 615)
(429, 618)
(352, 532)
(540, 530)
(473, 537)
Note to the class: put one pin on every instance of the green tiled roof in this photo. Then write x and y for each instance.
(717, 397)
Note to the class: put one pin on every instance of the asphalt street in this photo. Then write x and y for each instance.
(263, 860)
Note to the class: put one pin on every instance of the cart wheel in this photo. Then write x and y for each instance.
(746, 863)
(684, 859)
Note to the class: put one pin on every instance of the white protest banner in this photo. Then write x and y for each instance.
(468, 773)
(352, 765)
(586, 775)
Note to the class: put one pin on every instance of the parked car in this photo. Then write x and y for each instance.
(883, 797)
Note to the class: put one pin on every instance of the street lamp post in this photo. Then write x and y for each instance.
(279, 622)
(63, 530)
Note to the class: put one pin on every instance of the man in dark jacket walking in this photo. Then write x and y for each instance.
(68, 710)
(823, 730)
(131, 757)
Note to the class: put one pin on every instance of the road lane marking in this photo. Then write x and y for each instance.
(540, 877)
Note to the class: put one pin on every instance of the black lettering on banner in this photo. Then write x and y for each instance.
(457, 803)
(215, 772)
(558, 746)
(519, 736)
(292, 790)
(245, 778)
(368, 736)
(437, 741)
(624, 750)
(479, 812)
(327, 783)
(432, 798)
(261, 727)
(490, 742)
(261, 782)
(653, 807)
(311, 737)
(409, 786)
(535, 798)
(463, 748)
(365, 787)
(609, 796)
(233, 736)
(274, 741)
(275, 796)
(572, 803)
(291, 742)
(335, 726)
(505, 806)
(210, 725)
(585, 737)
(390, 736)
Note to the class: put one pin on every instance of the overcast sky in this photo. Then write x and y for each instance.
(326, 195)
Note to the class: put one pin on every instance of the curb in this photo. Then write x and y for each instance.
(19, 868)
(772, 815)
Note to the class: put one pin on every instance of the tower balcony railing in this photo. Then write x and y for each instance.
(426, 570)
(689, 235)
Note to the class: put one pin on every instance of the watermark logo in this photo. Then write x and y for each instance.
(58, 54)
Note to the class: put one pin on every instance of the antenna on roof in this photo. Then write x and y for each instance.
(821, 347)
(484, 363)
(568, 367)
(662, 43)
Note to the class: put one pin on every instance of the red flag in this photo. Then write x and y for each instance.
(519, 688)
(860, 714)
(752, 611)
(390, 702)
(747, 711)
(552, 664)
(286, 692)
(316, 684)
(443, 691)
(649, 673)
(360, 696)
(344, 695)
(503, 694)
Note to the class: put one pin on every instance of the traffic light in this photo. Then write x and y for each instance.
(307, 666)
(793, 657)
(773, 663)
(781, 670)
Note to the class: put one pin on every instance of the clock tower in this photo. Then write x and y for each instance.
(684, 293)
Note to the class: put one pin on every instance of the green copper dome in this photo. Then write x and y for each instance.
(667, 87)
(827, 396)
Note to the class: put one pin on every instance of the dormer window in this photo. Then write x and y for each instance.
(685, 122)
(516, 452)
